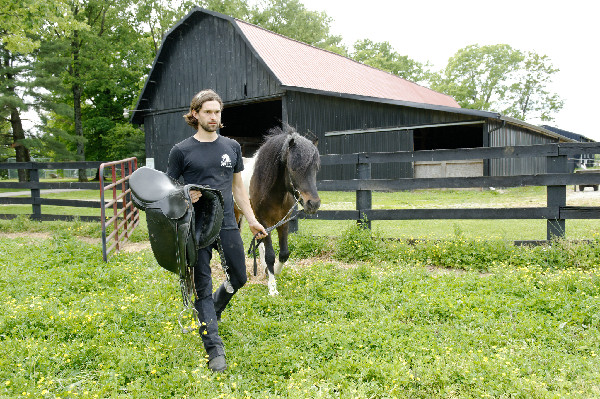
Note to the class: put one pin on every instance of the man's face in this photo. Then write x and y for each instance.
(209, 116)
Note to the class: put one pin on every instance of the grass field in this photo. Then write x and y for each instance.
(439, 229)
(358, 317)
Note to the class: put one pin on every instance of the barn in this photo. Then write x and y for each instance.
(581, 160)
(266, 79)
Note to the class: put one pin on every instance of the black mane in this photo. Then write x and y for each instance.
(271, 163)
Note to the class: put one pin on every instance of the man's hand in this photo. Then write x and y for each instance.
(255, 228)
(195, 195)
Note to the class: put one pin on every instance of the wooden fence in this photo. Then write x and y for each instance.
(125, 216)
(35, 186)
(556, 179)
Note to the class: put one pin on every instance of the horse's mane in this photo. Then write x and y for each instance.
(270, 161)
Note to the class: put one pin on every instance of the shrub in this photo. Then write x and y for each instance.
(464, 254)
(307, 246)
(357, 243)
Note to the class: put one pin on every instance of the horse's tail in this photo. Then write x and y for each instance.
(248, 171)
(246, 176)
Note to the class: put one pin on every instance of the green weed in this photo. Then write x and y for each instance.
(389, 326)
(306, 246)
(356, 243)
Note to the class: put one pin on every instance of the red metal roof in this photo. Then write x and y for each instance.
(297, 64)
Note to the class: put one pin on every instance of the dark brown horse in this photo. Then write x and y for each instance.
(283, 172)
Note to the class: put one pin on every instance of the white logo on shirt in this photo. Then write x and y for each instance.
(226, 161)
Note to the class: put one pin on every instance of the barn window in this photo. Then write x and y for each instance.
(448, 137)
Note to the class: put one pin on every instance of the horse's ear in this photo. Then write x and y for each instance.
(291, 142)
(316, 142)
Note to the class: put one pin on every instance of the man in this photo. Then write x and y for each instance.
(209, 159)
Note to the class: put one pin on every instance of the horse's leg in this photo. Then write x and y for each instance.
(270, 261)
(261, 256)
(284, 252)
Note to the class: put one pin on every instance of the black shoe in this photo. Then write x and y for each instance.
(217, 364)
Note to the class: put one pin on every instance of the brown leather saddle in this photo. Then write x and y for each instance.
(176, 227)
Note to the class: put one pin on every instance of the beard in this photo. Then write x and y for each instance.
(207, 127)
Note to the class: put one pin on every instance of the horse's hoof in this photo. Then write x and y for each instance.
(272, 286)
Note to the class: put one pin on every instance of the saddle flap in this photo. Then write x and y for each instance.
(168, 241)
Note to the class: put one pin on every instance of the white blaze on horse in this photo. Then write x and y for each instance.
(282, 173)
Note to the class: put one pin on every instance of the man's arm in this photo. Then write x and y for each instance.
(240, 195)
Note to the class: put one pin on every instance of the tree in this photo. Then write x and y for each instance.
(21, 22)
(382, 56)
(125, 140)
(234, 8)
(13, 68)
(290, 18)
(100, 70)
(476, 76)
(528, 97)
(157, 16)
(502, 79)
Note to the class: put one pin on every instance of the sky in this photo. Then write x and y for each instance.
(433, 30)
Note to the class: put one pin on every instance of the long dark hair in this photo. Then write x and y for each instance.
(196, 104)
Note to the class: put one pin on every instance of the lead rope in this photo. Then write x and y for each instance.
(256, 242)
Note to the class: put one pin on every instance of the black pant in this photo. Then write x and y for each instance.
(210, 307)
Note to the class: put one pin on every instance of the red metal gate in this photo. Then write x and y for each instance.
(125, 219)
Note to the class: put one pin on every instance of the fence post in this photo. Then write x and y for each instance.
(556, 196)
(36, 206)
(364, 199)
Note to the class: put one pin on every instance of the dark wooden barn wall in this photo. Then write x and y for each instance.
(507, 135)
(205, 52)
(208, 52)
(321, 114)
(162, 132)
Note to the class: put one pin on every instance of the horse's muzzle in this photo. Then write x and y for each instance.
(311, 205)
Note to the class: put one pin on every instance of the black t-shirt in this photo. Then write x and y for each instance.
(209, 164)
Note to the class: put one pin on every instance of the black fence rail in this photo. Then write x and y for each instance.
(556, 179)
(35, 186)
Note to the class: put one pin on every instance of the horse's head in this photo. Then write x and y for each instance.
(302, 164)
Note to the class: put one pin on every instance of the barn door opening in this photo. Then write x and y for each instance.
(460, 135)
(448, 137)
(249, 123)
